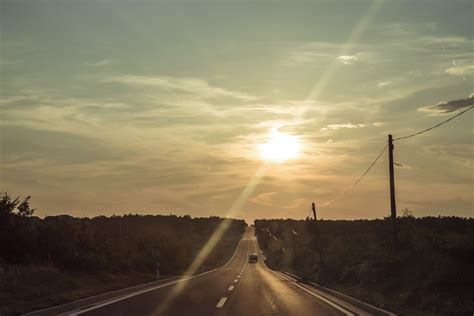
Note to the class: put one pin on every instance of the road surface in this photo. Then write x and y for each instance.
(238, 288)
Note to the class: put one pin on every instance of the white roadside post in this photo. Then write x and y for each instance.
(157, 271)
(156, 255)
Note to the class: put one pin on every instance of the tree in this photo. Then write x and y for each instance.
(8, 205)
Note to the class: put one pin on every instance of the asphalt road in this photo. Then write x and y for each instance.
(238, 288)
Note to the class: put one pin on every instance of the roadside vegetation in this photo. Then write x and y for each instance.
(52, 260)
(430, 272)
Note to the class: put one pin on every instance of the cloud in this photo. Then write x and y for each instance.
(187, 85)
(311, 52)
(464, 151)
(461, 70)
(341, 126)
(449, 106)
(263, 199)
(384, 83)
(100, 63)
(347, 59)
(456, 155)
(303, 57)
(402, 166)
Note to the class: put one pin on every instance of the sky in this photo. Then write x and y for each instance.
(159, 107)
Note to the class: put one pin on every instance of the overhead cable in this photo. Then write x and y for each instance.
(358, 180)
(435, 126)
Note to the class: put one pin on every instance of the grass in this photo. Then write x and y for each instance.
(24, 288)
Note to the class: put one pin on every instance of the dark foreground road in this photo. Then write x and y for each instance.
(238, 288)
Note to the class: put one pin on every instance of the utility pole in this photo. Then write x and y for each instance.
(316, 230)
(393, 205)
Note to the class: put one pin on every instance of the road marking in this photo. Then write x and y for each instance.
(236, 280)
(327, 301)
(221, 302)
(230, 288)
(79, 311)
(238, 276)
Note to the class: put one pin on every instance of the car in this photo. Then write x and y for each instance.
(253, 258)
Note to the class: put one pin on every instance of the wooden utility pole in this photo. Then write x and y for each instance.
(316, 231)
(393, 205)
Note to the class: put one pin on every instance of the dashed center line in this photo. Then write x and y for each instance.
(236, 280)
(221, 302)
(230, 288)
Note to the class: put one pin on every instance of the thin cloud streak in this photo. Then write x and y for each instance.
(101, 63)
(461, 70)
(187, 85)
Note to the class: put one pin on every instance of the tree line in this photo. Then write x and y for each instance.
(113, 244)
(430, 271)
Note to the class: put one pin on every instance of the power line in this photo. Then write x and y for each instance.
(435, 126)
(358, 180)
(309, 213)
(383, 150)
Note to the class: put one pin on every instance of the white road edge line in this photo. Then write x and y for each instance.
(81, 311)
(330, 303)
(322, 298)
(280, 277)
(230, 288)
(221, 302)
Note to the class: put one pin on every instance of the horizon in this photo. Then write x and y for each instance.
(248, 110)
(401, 214)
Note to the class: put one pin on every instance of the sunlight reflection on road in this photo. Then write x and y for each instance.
(214, 239)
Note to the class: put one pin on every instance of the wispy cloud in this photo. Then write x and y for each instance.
(461, 70)
(311, 52)
(187, 85)
(100, 63)
(403, 166)
(384, 83)
(347, 59)
(449, 106)
(264, 199)
(341, 126)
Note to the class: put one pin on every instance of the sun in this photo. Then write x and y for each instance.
(280, 147)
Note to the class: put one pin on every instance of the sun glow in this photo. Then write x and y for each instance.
(280, 147)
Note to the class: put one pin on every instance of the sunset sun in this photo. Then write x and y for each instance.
(280, 147)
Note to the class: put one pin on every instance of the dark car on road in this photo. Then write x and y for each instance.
(253, 258)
